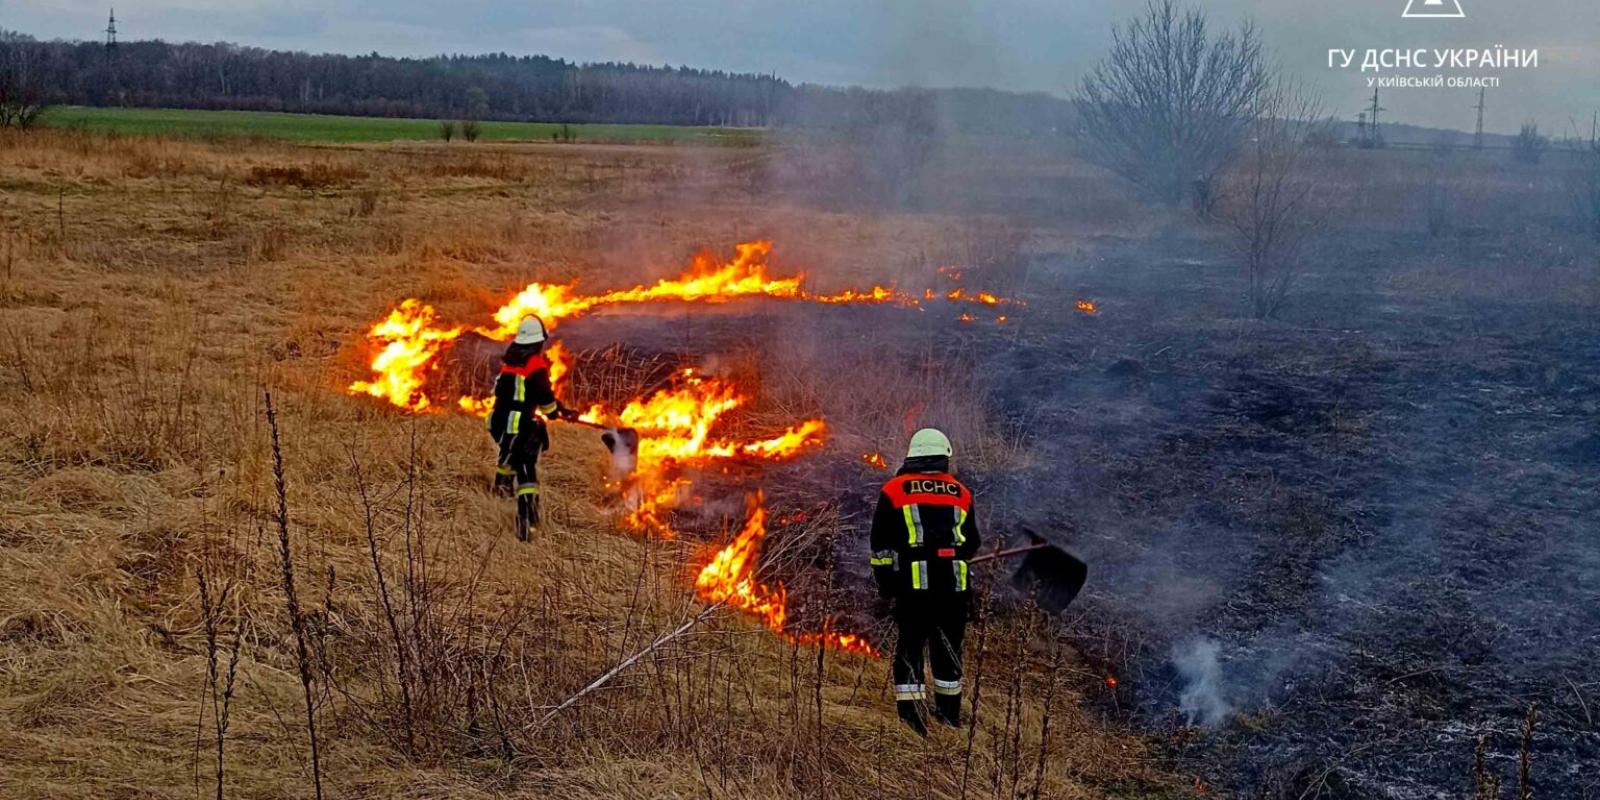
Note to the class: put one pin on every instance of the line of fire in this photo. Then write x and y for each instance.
(679, 425)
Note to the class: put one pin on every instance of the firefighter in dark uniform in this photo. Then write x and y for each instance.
(924, 531)
(523, 399)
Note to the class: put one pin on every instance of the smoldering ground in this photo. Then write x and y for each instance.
(1380, 513)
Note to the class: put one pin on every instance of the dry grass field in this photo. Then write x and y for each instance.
(154, 293)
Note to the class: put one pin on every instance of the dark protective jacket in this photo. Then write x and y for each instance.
(923, 533)
(520, 390)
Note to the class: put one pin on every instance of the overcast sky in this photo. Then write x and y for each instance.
(1013, 44)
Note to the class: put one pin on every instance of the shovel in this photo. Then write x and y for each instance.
(1051, 574)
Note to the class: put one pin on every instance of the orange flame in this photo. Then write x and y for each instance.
(729, 577)
(409, 344)
(678, 425)
(706, 281)
(411, 340)
(875, 460)
(1088, 307)
(677, 429)
(1111, 681)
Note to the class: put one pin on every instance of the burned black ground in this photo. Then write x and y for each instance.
(1381, 507)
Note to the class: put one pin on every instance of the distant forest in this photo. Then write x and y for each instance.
(496, 87)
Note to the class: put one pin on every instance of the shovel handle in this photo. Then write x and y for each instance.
(1015, 551)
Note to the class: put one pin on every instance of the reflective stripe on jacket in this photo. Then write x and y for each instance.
(923, 533)
(519, 391)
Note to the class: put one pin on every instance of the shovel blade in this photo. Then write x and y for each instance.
(1052, 575)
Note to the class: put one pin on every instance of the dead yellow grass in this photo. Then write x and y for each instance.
(151, 291)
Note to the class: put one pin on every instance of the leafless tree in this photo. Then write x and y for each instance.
(1170, 104)
(1268, 202)
(1583, 183)
(22, 99)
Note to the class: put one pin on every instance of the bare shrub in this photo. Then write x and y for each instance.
(1529, 145)
(1171, 102)
(447, 129)
(1267, 202)
(471, 129)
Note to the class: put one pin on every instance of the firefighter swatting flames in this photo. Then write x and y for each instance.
(523, 398)
(669, 434)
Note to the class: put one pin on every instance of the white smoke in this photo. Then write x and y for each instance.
(1201, 701)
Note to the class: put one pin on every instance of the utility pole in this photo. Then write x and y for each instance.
(111, 31)
(1477, 140)
(1377, 133)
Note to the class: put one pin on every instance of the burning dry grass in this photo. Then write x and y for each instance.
(142, 314)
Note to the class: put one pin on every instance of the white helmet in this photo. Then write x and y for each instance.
(929, 442)
(530, 331)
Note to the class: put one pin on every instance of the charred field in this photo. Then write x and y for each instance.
(1328, 552)
(1352, 543)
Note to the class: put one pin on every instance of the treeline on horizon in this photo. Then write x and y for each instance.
(221, 76)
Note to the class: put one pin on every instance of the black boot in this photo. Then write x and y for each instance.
(527, 516)
(503, 484)
(911, 716)
(947, 709)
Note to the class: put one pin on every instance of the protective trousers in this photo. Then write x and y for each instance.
(936, 623)
(519, 465)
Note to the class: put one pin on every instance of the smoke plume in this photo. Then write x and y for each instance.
(1201, 700)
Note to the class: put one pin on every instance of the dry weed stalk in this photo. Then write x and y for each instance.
(1525, 755)
(1052, 681)
(985, 607)
(403, 666)
(291, 597)
(624, 664)
(219, 683)
(1486, 785)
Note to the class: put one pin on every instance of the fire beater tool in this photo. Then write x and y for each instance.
(1051, 573)
(623, 443)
